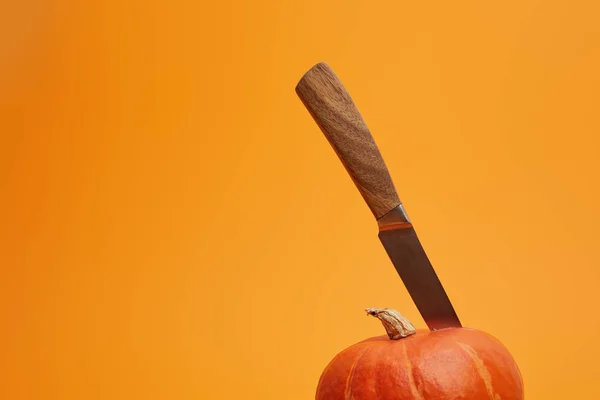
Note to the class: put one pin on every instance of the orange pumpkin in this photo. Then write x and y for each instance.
(409, 364)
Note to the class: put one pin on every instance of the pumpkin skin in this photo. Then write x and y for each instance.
(447, 364)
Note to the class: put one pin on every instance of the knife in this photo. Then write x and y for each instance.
(334, 111)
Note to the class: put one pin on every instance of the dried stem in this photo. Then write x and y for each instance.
(396, 325)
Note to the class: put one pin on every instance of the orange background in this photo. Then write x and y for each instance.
(175, 226)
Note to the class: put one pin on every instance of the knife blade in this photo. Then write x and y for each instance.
(336, 114)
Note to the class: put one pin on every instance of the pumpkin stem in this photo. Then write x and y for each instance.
(395, 324)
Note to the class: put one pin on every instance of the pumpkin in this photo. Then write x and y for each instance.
(410, 364)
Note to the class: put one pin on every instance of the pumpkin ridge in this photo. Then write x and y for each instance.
(348, 389)
(324, 373)
(414, 390)
(517, 371)
(319, 386)
(482, 370)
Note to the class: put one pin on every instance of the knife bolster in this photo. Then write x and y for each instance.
(395, 218)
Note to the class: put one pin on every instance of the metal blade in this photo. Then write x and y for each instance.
(408, 256)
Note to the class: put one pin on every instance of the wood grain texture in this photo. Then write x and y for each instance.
(336, 114)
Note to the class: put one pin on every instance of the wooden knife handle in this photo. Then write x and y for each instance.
(336, 114)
